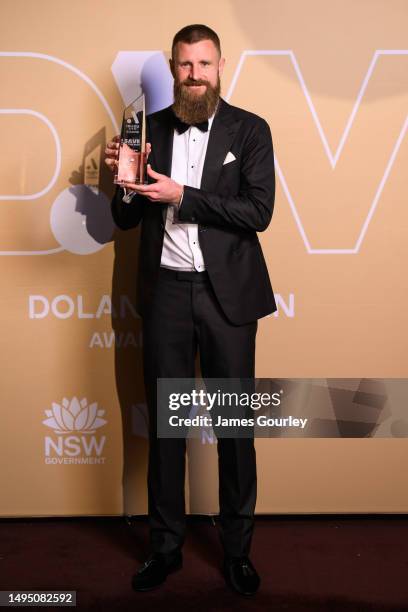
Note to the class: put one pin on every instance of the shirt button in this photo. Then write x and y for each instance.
(192, 166)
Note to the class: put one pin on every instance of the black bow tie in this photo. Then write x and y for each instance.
(182, 127)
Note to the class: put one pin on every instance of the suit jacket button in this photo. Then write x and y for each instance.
(162, 225)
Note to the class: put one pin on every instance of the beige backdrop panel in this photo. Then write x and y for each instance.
(335, 249)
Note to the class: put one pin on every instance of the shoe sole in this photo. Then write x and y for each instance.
(156, 586)
(231, 586)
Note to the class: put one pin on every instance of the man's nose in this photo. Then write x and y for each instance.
(195, 72)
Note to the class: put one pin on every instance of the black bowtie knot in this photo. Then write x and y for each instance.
(182, 127)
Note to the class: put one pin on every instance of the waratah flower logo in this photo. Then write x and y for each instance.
(74, 416)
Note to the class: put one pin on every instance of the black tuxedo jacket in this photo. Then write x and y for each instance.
(234, 202)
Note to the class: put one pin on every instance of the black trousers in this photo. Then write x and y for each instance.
(186, 317)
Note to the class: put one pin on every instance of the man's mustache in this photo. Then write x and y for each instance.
(190, 82)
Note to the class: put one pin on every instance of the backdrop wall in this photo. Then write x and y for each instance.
(332, 81)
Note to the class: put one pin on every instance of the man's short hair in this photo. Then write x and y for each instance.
(194, 33)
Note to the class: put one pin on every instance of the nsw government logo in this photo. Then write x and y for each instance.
(75, 424)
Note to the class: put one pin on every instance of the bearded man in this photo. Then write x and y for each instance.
(202, 286)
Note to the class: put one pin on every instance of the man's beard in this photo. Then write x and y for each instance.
(192, 107)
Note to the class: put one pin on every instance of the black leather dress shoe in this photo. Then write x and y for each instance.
(241, 575)
(155, 569)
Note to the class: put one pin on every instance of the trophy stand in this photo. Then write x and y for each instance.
(132, 164)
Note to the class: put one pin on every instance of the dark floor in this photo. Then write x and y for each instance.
(306, 563)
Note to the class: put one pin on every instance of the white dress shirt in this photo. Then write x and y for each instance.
(181, 248)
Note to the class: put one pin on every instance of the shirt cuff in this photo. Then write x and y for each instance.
(181, 199)
(128, 196)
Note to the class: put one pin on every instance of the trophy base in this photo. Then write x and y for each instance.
(132, 167)
(122, 183)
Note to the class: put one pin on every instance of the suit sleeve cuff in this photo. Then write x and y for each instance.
(186, 210)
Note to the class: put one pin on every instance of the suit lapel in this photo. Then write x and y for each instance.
(222, 134)
(162, 129)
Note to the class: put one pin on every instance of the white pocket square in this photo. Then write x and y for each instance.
(230, 157)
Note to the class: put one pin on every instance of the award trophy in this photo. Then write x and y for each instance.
(132, 150)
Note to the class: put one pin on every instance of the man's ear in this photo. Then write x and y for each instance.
(171, 62)
(221, 65)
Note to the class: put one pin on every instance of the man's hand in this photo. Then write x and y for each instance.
(163, 190)
(112, 153)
